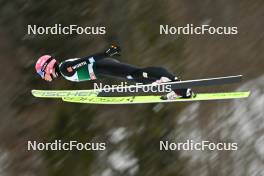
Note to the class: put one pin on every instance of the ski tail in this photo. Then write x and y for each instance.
(63, 93)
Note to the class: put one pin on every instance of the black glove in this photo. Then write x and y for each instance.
(113, 50)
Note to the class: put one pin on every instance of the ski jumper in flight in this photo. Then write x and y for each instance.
(103, 64)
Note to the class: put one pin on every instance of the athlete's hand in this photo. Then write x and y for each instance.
(113, 50)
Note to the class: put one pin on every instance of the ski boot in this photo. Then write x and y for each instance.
(113, 50)
(164, 80)
(161, 80)
(179, 93)
(174, 94)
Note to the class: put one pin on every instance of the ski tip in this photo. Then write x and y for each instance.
(239, 76)
(231, 76)
(37, 93)
(248, 94)
(33, 92)
(245, 94)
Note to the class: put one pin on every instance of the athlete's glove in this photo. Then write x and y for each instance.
(113, 50)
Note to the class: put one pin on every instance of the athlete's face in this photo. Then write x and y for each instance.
(49, 78)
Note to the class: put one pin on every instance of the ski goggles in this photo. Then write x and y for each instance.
(41, 73)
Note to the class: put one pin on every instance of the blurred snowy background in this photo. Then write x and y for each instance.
(133, 132)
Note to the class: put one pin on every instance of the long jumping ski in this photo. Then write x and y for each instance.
(154, 99)
(130, 90)
(160, 88)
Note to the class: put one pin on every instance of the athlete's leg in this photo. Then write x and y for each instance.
(110, 67)
(155, 73)
(113, 68)
(151, 74)
(147, 75)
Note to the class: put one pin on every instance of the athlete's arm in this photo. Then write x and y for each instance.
(113, 50)
(81, 69)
